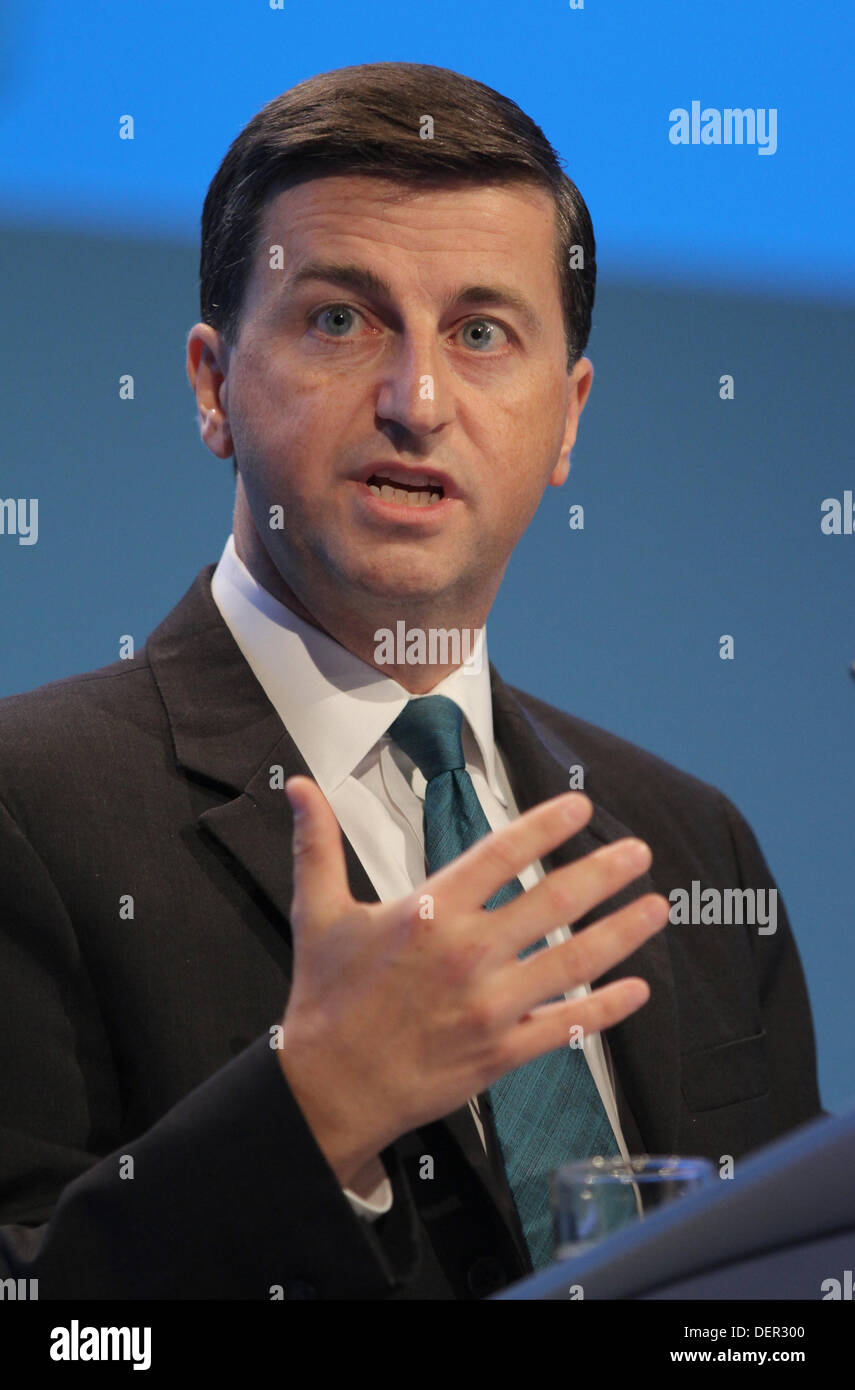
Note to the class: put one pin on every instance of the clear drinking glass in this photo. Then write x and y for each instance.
(593, 1198)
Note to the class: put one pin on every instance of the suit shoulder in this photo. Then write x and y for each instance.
(64, 723)
(84, 688)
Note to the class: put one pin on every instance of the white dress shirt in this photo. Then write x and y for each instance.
(337, 710)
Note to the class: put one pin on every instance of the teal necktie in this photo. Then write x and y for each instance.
(548, 1111)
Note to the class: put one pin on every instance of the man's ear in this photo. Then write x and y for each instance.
(578, 386)
(207, 369)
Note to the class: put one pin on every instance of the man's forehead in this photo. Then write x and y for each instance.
(326, 206)
(335, 219)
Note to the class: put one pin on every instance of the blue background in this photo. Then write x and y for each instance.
(701, 516)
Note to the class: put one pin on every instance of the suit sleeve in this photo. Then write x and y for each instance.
(227, 1196)
(782, 990)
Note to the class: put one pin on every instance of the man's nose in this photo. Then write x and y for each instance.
(415, 391)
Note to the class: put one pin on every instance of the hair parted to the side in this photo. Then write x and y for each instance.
(367, 119)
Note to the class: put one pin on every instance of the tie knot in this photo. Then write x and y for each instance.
(429, 731)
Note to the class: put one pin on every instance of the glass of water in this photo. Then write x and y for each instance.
(593, 1198)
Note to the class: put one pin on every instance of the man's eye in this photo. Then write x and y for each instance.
(336, 319)
(483, 334)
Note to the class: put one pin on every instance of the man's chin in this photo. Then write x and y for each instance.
(404, 593)
(405, 574)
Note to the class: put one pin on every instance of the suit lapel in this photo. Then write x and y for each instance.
(645, 1047)
(225, 730)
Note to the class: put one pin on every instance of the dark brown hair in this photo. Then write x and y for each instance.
(367, 119)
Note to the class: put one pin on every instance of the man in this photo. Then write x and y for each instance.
(396, 286)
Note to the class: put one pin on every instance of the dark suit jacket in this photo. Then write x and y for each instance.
(147, 1037)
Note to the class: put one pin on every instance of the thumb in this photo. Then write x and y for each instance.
(321, 889)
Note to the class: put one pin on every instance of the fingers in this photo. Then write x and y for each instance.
(566, 894)
(473, 878)
(586, 956)
(549, 1027)
(321, 888)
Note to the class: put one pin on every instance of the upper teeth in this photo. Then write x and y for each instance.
(425, 498)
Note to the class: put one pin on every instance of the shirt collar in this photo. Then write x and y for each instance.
(334, 705)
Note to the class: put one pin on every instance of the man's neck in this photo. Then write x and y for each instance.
(400, 648)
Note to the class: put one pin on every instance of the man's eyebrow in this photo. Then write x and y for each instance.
(353, 277)
(509, 299)
(365, 281)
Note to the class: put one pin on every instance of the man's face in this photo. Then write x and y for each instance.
(449, 380)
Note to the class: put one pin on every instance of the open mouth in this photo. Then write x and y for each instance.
(418, 492)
